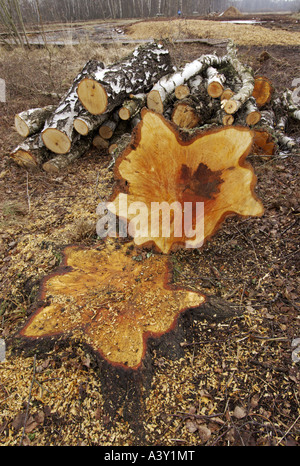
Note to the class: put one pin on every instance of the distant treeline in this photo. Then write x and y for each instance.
(74, 10)
(35, 11)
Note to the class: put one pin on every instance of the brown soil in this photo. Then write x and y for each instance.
(236, 382)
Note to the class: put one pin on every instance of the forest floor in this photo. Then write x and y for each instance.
(237, 383)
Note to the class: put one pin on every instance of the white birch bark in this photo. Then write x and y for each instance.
(60, 162)
(85, 122)
(59, 132)
(31, 121)
(167, 84)
(292, 108)
(215, 81)
(246, 76)
(105, 89)
(31, 153)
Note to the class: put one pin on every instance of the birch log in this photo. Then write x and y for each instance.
(100, 143)
(222, 118)
(31, 153)
(262, 91)
(86, 122)
(253, 115)
(268, 121)
(246, 77)
(132, 106)
(182, 91)
(158, 96)
(58, 163)
(292, 108)
(107, 129)
(102, 90)
(215, 81)
(59, 132)
(31, 121)
(185, 115)
(227, 94)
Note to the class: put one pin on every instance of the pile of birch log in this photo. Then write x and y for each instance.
(103, 106)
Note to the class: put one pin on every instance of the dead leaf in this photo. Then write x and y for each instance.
(239, 412)
(44, 364)
(191, 426)
(204, 433)
(254, 400)
(18, 421)
(39, 417)
(31, 424)
(86, 361)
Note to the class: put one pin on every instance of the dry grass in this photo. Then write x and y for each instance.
(48, 82)
(242, 34)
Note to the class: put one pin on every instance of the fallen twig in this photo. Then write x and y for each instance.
(28, 402)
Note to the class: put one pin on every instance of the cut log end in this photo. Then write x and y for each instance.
(93, 96)
(227, 94)
(124, 113)
(81, 126)
(24, 159)
(228, 120)
(100, 143)
(50, 168)
(182, 91)
(262, 91)
(56, 141)
(154, 102)
(21, 127)
(253, 118)
(215, 89)
(107, 130)
(185, 116)
(231, 106)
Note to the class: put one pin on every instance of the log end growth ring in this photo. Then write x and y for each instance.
(154, 101)
(81, 126)
(230, 106)
(253, 118)
(92, 95)
(56, 141)
(215, 89)
(208, 169)
(21, 127)
(24, 159)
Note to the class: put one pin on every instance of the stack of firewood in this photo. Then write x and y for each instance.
(103, 106)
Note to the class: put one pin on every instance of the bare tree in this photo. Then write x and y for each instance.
(12, 20)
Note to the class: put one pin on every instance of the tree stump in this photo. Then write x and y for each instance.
(122, 311)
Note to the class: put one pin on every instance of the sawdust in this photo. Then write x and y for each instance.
(241, 34)
(67, 405)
